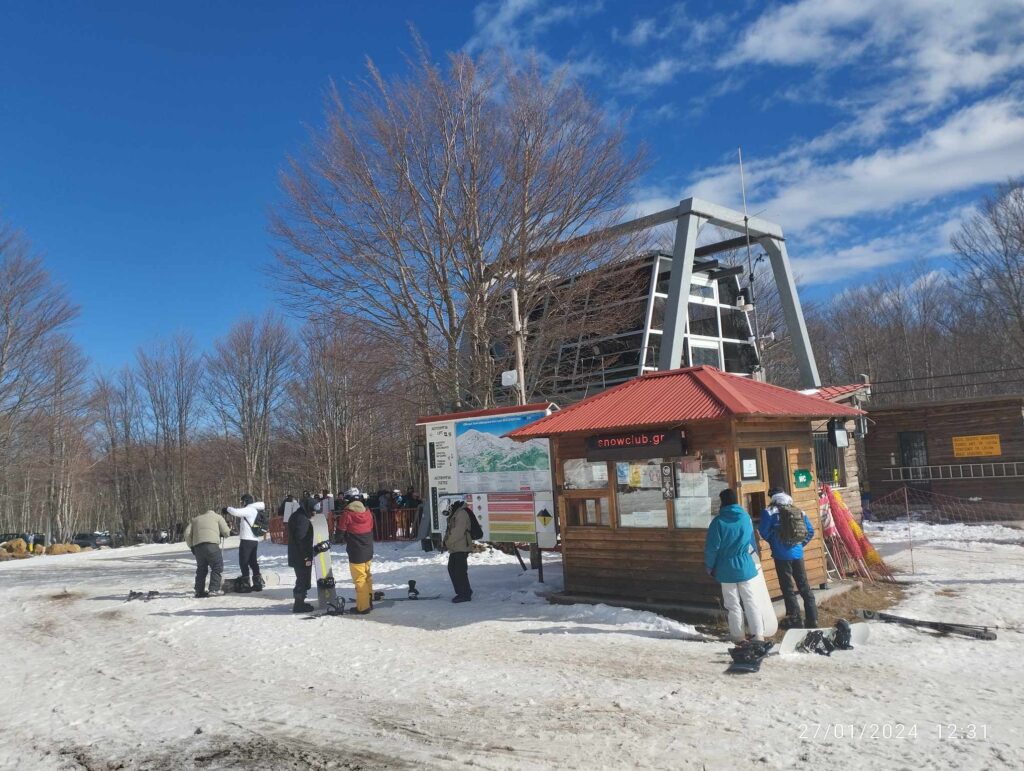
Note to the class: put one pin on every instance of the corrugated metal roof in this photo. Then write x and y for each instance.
(834, 392)
(537, 406)
(681, 396)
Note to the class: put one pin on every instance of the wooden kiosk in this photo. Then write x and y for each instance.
(638, 470)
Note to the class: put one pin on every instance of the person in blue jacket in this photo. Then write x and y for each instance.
(789, 560)
(728, 558)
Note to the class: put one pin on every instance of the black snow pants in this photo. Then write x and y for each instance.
(208, 559)
(247, 559)
(792, 572)
(303, 579)
(458, 571)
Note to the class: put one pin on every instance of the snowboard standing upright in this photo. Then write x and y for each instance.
(765, 606)
(326, 594)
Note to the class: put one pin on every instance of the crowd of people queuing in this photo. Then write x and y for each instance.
(357, 517)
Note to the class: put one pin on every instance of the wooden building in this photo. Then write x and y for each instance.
(966, 448)
(639, 467)
(842, 467)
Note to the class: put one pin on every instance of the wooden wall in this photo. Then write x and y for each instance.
(667, 564)
(853, 458)
(940, 423)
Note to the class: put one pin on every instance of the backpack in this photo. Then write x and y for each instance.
(792, 528)
(259, 525)
(475, 531)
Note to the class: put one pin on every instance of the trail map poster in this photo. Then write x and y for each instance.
(488, 462)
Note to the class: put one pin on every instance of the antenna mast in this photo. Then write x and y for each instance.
(750, 264)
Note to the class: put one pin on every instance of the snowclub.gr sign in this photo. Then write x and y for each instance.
(636, 444)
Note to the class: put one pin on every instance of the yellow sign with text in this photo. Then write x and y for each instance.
(981, 445)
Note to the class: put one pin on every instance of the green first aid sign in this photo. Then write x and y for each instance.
(802, 478)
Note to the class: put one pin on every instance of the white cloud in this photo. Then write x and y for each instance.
(659, 73)
(514, 26)
(829, 267)
(642, 31)
(981, 144)
(914, 56)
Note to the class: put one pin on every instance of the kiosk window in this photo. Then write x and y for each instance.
(580, 474)
(699, 480)
(638, 497)
(588, 512)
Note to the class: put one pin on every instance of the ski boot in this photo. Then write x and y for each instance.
(414, 593)
(301, 606)
(242, 585)
(258, 583)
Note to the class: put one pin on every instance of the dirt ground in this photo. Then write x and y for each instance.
(876, 596)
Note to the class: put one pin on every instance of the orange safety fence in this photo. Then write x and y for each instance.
(395, 525)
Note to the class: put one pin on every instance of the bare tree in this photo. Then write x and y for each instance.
(428, 197)
(33, 312)
(991, 248)
(247, 374)
(117, 414)
(170, 376)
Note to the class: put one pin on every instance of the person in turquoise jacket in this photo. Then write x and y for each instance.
(728, 558)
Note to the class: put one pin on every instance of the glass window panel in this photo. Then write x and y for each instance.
(728, 290)
(664, 273)
(703, 320)
(735, 324)
(653, 350)
(704, 291)
(658, 314)
(740, 358)
(699, 480)
(700, 354)
(638, 494)
(581, 474)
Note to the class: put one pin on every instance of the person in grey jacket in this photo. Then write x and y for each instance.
(202, 536)
(459, 544)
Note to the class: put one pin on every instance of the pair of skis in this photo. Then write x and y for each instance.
(942, 627)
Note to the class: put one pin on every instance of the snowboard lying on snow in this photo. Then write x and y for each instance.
(824, 640)
(380, 599)
(747, 658)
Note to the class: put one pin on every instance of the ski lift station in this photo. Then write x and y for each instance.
(629, 476)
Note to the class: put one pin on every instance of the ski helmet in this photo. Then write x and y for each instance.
(353, 494)
(247, 499)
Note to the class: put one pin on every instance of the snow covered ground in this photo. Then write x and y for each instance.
(507, 681)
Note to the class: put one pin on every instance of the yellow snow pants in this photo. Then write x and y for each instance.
(363, 580)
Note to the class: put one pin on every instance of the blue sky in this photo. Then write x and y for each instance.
(140, 142)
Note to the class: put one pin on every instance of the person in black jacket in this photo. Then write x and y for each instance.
(300, 552)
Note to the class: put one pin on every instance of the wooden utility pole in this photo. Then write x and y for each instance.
(517, 327)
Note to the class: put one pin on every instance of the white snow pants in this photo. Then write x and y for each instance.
(732, 595)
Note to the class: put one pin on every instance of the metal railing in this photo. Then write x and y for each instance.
(955, 471)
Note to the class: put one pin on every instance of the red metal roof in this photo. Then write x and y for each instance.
(834, 392)
(681, 396)
(538, 406)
